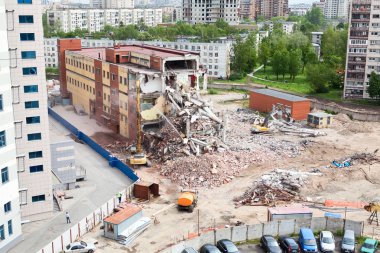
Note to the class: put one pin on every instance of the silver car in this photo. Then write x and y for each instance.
(80, 247)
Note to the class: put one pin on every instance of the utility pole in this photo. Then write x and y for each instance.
(198, 225)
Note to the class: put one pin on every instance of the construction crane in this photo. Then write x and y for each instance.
(373, 208)
(139, 158)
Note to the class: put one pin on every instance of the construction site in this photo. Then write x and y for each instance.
(235, 154)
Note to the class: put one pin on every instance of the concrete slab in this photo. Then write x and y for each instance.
(102, 184)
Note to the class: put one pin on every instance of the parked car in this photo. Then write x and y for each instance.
(288, 245)
(369, 246)
(269, 244)
(327, 242)
(209, 248)
(189, 250)
(307, 240)
(348, 242)
(226, 246)
(80, 247)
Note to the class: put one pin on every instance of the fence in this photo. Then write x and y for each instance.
(85, 225)
(274, 228)
(112, 161)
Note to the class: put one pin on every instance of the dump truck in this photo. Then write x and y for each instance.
(187, 200)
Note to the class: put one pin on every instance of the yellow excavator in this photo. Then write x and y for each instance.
(373, 208)
(139, 158)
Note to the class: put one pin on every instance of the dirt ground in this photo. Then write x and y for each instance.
(216, 206)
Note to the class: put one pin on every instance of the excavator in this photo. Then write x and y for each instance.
(264, 127)
(373, 208)
(139, 158)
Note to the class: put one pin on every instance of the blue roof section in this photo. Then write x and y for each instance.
(281, 95)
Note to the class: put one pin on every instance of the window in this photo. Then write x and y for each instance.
(34, 136)
(38, 198)
(27, 36)
(2, 139)
(23, 197)
(28, 54)
(25, 19)
(1, 102)
(30, 88)
(32, 104)
(2, 233)
(7, 207)
(33, 120)
(4, 175)
(35, 154)
(10, 228)
(36, 168)
(24, 1)
(29, 71)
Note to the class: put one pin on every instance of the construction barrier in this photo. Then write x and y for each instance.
(113, 161)
(274, 228)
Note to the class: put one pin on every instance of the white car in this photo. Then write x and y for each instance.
(327, 241)
(80, 247)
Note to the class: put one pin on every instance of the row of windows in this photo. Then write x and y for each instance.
(81, 85)
(81, 65)
(2, 231)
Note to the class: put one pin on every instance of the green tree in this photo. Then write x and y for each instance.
(308, 56)
(295, 62)
(334, 45)
(280, 63)
(244, 59)
(315, 17)
(319, 75)
(264, 53)
(374, 86)
(260, 18)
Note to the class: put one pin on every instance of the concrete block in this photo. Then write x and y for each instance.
(285, 227)
(271, 228)
(356, 226)
(334, 224)
(224, 233)
(208, 237)
(239, 233)
(318, 224)
(255, 231)
(301, 223)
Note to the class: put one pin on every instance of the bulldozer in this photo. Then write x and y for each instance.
(187, 200)
(373, 208)
(139, 158)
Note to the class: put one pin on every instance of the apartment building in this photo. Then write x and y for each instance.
(299, 9)
(247, 9)
(214, 57)
(104, 80)
(363, 51)
(95, 19)
(29, 97)
(336, 9)
(320, 5)
(272, 8)
(287, 27)
(316, 37)
(112, 4)
(10, 219)
(209, 11)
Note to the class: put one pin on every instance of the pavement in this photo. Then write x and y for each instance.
(101, 184)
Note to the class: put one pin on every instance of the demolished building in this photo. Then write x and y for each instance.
(102, 81)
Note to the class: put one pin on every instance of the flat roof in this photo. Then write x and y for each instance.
(141, 49)
(320, 114)
(278, 94)
(290, 210)
(122, 215)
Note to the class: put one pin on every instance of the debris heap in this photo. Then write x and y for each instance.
(278, 185)
(192, 129)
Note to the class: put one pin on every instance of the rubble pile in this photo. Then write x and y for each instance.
(210, 170)
(361, 158)
(278, 185)
(239, 136)
(194, 129)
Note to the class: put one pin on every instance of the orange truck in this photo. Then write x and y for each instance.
(187, 200)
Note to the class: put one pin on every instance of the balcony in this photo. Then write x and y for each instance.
(357, 62)
(355, 70)
(361, 1)
(355, 19)
(363, 28)
(361, 11)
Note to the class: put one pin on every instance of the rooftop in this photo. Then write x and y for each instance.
(141, 49)
(320, 114)
(123, 214)
(278, 94)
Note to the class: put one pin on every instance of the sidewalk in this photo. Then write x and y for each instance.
(102, 184)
